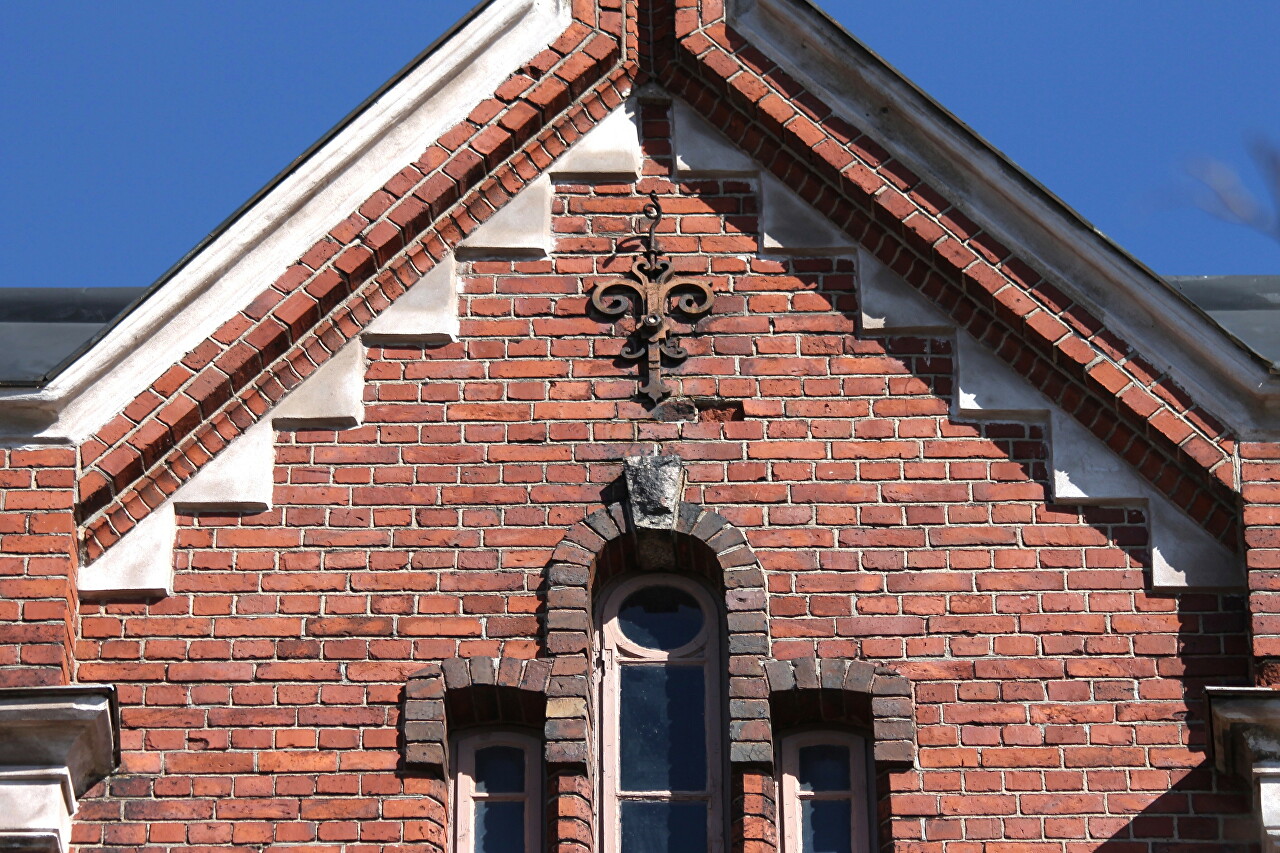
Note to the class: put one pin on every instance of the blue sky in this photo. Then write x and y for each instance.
(130, 130)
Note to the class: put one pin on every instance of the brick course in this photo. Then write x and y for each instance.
(1057, 701)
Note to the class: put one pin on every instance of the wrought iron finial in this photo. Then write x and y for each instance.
(653, 295)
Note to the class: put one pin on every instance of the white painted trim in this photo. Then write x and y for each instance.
(791, 830)
(1127, 297)
(427, 313)
(1083, 471)
(616, 652)
(465, 796)
(226, 275)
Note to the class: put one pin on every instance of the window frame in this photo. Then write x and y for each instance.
(464, 794)
(861, 809)
(614, 652)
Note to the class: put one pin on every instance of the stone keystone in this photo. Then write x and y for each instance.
(655, 485)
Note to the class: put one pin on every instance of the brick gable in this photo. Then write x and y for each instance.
(886, 562)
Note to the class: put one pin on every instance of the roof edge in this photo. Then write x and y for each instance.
(268, 233)
(1226, 377)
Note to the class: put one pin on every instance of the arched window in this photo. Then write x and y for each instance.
(497, 793)
(662, 723)
(824, 805)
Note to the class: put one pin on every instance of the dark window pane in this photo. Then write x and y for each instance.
(664, 827)
(826, 826)
(660, 617)
(499, 770)
(824, 767)
(662, 729)
(499, 827)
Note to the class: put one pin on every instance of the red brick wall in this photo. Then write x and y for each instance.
(1057, 701)
(38, 561)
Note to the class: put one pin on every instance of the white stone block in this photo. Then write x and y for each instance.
(239, 479)
(139, 565)
(522, 227)
(701, 151)
(610, 149)
(788, 225)
(55, 743)
(427, 313)
(35, 802)
(333, 396)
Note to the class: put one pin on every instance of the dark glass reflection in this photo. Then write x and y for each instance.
(499, 770)
(664, 827)
(499, 827)
(826, 826)
(660, 617)
(662, 733)
(824, 767)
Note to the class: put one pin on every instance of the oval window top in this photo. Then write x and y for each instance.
(660, 617)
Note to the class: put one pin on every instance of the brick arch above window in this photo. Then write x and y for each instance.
(808, 692)
(609, 543)
(459, 693)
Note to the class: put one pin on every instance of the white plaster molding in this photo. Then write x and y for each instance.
(521, 227)
(140, 565)
(427, 313)
(611, 148)
(36, 802)
(55, 743)
(1083, 470)
(1244, 733)
(701, 151)
(332, 396)
(239, 479)
(1129, 299)
(788, 225)
(226, 274)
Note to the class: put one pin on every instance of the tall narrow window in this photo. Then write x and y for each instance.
(497, 794)
(662, 731)
(825, 807)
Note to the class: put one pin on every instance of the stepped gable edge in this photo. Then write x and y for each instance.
(224, 385)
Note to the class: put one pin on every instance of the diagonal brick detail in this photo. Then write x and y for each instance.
(342, 282)
(1177, 446)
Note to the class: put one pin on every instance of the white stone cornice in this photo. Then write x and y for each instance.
(55, 744)
(1244, 732)
(249, 252)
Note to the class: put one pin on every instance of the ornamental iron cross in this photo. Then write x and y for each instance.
(653, 295)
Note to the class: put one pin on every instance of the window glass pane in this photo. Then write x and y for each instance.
(660, 617)
(826, 826)
(499, 770)
(499, 827)
(824, 767)
(664, 827)
(662, 733)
